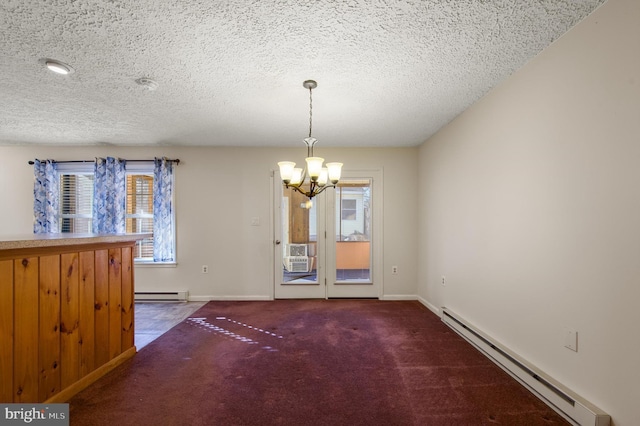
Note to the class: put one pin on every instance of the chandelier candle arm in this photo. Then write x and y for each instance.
(319, 174)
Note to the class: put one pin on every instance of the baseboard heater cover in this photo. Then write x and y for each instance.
(564, 401)
(161, 296)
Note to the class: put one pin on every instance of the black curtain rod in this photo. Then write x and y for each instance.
(177, 161)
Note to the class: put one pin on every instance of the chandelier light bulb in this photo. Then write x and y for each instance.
(314, 166)
(324, 177)
(296, 177)
(286, 170)
(335, 170)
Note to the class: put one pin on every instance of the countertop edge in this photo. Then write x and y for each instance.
(65, 239)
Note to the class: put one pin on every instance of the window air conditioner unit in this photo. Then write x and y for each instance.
(297, 250)
(296, 263)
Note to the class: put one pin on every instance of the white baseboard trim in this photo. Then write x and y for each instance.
(388, 297)
(399, 297)
(564, 401)
(229, 298)
(161, 296)
(430, 306)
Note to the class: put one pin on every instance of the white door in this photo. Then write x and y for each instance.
(354, 236)
(299, 243)
(331, 247)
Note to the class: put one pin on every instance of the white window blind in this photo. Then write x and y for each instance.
(76, 202)
(139, 216)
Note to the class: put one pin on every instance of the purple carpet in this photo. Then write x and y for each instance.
(309, 362)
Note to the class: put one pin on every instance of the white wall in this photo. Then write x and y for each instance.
(530, 206)
(218, 192)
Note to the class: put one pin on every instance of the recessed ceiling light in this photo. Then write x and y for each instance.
(58, 67)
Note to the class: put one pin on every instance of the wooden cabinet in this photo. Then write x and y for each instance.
(66, 317)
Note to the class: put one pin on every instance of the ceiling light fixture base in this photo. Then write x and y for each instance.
(310, 84)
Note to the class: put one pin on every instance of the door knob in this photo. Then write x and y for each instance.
(277, 242)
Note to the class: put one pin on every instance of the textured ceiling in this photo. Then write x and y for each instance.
(230, 73)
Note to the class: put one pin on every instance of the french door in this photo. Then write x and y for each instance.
(329, 247)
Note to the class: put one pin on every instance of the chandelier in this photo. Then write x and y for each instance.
(319, 176)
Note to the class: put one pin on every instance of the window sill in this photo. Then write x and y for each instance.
(143, 264)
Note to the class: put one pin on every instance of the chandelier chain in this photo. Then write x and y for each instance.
(310, 110)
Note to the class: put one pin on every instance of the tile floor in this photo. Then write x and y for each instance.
(155, 318)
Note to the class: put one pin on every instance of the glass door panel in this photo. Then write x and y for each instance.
(354, 241)
(331, 247)
(353, 231)
(299, 256)
(300, 239)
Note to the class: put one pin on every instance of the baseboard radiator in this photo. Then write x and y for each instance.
(565, 402)
(162, 296)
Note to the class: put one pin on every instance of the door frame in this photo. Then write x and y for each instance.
(359, 290)
(296, 290)
(373, 290)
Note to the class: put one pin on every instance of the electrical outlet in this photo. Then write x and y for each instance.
(444, 281)
(394, 270)
(205, 269)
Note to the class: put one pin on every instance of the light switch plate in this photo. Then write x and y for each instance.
(571, 339)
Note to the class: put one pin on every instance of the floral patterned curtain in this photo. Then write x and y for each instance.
(163, 243)
(46, 197)
(109, 196)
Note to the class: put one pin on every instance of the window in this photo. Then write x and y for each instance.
(76, 202)
(139, 211)
(76, 193)
(353, 210)
(348, 209)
